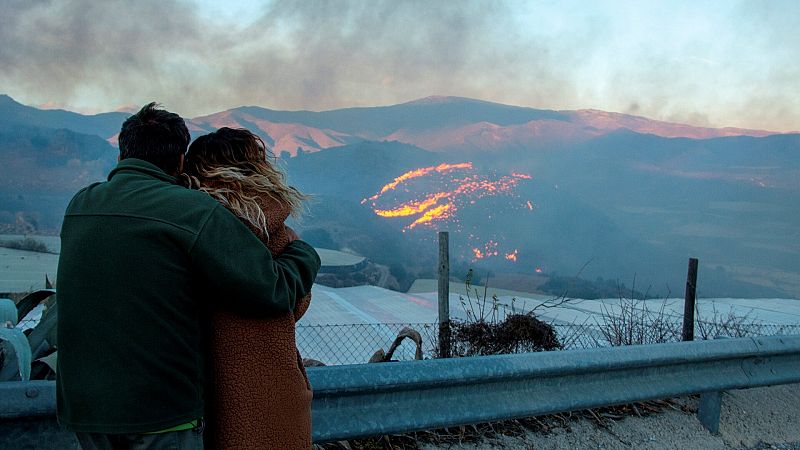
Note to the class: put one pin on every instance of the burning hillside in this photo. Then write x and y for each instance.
(433, 195)
(439, 196)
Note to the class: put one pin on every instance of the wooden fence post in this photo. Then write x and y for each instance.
(689, 301)
(444, 295)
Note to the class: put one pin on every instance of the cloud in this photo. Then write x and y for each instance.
(63, 50)
(330, 54)
(322, 55)
(313, 55)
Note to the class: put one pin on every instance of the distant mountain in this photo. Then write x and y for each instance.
(340, 178)
(281, 137)
(631, 205)
(451, 124)
(609, 121)
(630, 195)
(104, 125)
(357, 171)
(729, 201)
(41, 169)
(46, 159)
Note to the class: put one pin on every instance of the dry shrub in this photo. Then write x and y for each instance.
(524, 332)
(725, 325)
(635, 324)
(493, 328)
(516, 333)
(28, 244)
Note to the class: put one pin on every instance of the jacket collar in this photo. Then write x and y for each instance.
(143, 167)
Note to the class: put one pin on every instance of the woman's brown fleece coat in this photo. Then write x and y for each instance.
(261, 395)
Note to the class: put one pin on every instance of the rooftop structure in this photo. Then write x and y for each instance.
(24, 271)
(334, 261)
(347, 325)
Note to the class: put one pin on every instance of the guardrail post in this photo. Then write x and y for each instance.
(444, 295)
(689, 300)
(354, 401)
(709, 411)
(710, 406)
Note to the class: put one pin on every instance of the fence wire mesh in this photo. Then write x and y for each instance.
(341, 344)
(356, 343)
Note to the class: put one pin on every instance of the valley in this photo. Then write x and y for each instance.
(522, 191)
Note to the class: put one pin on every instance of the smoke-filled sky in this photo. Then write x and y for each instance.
(714, 63)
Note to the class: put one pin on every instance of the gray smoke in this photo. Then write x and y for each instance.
(314, 55)
(330, 54)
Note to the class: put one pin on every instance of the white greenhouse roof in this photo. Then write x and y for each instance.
(23, 271)
(332, 258)
(347, 325)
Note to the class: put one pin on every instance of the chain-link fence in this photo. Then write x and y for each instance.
(356, 343)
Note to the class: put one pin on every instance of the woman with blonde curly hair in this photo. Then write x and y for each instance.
(260, 396)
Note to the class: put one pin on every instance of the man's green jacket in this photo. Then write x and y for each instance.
(143, 260)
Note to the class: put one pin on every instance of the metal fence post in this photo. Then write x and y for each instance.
(689, 300)
(444, 295)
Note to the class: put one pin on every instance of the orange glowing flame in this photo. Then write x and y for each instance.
(441, 168)
(538, 270)
(529, 205)
(412, 208)
(440, 212)
(512, 256)
(488, 250)
(461, 190)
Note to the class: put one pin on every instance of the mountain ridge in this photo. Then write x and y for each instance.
(632, 203)
(435, 123)
(439, 123)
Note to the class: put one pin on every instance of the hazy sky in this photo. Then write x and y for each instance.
(718, 63)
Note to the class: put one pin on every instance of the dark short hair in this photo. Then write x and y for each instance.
(156, 136)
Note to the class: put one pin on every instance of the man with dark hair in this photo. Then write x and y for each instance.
(142, 260)
(156, 136)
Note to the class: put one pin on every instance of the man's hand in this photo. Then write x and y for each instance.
(291, 233)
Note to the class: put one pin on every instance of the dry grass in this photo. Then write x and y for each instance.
(490, 431)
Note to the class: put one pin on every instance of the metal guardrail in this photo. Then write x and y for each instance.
(369, 400)
(23, 399)
(374, 399)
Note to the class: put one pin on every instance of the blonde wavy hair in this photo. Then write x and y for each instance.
(236, 168)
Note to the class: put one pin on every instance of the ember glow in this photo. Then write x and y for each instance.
(441, 168)
(512, 256)
(488, 250)
(411, 208)
(434, 195)
(440, 212)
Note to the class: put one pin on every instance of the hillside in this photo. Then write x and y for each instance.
(520, 189)
(624, 220)
(42, 169)
(104, 125)
(449, 124)
(446, 124)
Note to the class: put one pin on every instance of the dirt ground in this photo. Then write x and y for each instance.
(760, 418)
